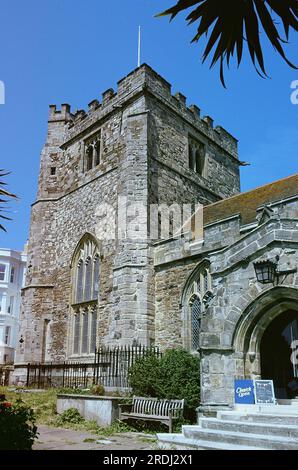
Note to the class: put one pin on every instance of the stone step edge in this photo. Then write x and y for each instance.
(220, 415)
(180, 439)
(251, 424)
(238, 435)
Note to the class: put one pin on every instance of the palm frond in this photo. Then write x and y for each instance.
(6, 194)
(224, 22)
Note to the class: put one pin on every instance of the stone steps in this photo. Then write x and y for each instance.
(259, 418)
(232, 430)
(266, 429)
(256, 440)
(180, 442)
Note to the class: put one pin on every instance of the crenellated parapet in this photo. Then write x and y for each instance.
(141, 81)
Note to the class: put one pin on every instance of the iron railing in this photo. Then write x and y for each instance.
(110, 368)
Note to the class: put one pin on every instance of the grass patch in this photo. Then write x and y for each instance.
(43, 403)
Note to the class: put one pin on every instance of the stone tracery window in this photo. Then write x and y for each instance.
(85, 275)
(92, 151)
(196, 156)
(198, 295)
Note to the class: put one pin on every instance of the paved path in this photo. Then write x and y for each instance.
(51, 438)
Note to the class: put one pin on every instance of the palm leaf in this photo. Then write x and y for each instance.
(6, 194)
(223, 23)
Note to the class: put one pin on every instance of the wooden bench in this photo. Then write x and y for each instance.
(152, 409)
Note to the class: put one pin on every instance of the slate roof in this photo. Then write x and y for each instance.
(246, 204)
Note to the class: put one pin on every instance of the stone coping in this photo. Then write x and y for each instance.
(89, 397)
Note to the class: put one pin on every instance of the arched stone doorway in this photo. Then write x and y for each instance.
(263, 338)
(277, 354)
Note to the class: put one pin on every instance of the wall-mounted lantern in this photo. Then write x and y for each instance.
(267, 271)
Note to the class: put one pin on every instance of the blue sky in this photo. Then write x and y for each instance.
(57, 51)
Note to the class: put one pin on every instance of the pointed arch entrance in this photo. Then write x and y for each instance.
(266, 339)
(277, 351)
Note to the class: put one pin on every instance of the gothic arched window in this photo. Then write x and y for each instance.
(85, 272)
(196, 311)
(89, 157)
(197, 294)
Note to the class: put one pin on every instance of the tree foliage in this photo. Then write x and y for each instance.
(228, 24)
(4, 194)
(175, 375)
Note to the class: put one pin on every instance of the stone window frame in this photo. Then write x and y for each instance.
(198, 285)
(92, 151)
(197, 162)
(3, 272)
(87, 251)
(82, 345)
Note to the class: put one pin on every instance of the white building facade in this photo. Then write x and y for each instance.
(12, 274)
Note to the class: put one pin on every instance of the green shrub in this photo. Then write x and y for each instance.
(17, 426)
(97, 390)
(175, 375)
(70, 416)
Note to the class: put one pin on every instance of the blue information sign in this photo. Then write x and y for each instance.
(244, 392)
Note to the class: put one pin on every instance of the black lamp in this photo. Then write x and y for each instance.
(265, 271)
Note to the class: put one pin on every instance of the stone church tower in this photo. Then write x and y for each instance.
(89, 281)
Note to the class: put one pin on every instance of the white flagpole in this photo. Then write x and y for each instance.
(139, 47)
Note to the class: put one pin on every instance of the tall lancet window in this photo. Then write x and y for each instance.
(85, 275)
(80, 280)
(88, 279)
(196, 310)
(196, 298)
(96, 277)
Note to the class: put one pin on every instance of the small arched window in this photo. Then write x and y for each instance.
(200, 161)
(97, 153)
(89, 157)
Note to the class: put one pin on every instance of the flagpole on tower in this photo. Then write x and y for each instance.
(139, 47)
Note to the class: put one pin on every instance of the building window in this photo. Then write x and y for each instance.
(53, 170)
(198, 294)
(2, 272)
(77, 329)
(80, 277)
(84, 331)
(96, 277)
(7, 336)
(85, 272)
(89, 157)
(10, 306)
(196, 156)
(93, 331)
(196, 310)
(12, 274)
(97, 153)
(1, 298)
(92, 152)
(88, 279)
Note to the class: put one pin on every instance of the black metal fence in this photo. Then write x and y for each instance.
(110, 369)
